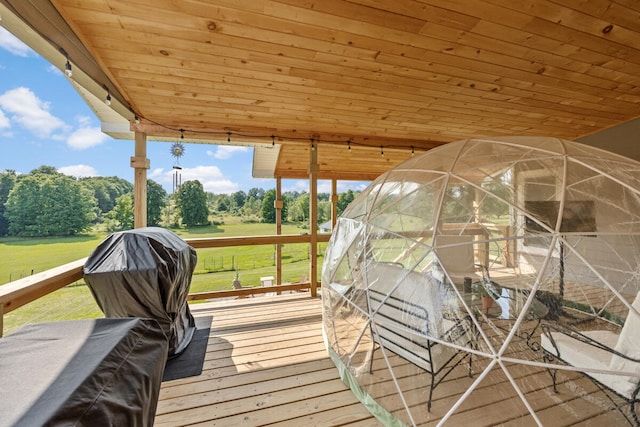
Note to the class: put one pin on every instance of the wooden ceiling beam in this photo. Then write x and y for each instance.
(213, 133)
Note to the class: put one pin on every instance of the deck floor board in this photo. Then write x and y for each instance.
(266, 364)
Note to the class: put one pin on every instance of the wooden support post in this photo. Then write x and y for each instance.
(278, 205)
(140, 164)
(313, 217)
(334, 203)
(477, 201)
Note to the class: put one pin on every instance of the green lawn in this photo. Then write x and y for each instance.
(23, 257)
(215, 269)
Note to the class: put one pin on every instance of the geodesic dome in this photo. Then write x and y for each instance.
(491, 281)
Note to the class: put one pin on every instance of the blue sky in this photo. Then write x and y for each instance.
(43, 121)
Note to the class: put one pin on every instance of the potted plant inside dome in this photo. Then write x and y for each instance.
(488, 292)
(485, 297)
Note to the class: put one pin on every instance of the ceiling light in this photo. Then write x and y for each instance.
(67, 65)
(67, 69)
(108, 98)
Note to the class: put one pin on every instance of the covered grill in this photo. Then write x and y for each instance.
(145, 272)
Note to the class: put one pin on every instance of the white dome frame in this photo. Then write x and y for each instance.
(554, 226)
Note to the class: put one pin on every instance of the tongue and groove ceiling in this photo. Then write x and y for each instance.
(382, 77)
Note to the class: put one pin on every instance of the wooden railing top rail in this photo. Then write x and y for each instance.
(27, 289)
(223, 242)
(20, 292)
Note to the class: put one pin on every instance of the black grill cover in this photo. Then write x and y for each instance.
(145, 272)
(100, 372)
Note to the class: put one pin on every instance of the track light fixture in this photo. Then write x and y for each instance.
(67, 69)
(67, 66)
(108, 98)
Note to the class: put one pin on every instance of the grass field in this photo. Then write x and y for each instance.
(215, 270)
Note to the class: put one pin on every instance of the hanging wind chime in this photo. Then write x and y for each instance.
(177, 151)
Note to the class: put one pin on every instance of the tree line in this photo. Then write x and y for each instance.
(45, 202)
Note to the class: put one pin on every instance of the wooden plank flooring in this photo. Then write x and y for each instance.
(266, 364)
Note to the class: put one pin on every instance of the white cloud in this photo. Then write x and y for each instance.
(224, 152)
(299, 185)
(31, 112)
(211, 178)
(83, 121)
(54, 70)
(352, 185)
(86, 137)
(156, 174)
(12, 44)
(79, 171)
(4, 121)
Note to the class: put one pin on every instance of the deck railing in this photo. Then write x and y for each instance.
(15, 294)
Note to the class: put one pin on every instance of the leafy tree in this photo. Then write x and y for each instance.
(256, 193)
(300, 210)
(170, 215)
(101, 193)
(156, 201)
(344, 199)
(291, 196)
(324, 211)
(7, 182)
(121, 216)
(288, 203)
(106, 190)
(191, 202)
(268, 208)
(252, 206)
(45, 170)
(47, 203)
(222, 203)
(238, 200)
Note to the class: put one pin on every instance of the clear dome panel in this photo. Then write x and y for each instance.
(412, 214)
(491, 281)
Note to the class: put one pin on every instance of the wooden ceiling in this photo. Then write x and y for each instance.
(377, 73)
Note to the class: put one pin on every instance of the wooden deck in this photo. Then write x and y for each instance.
(266, 364)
